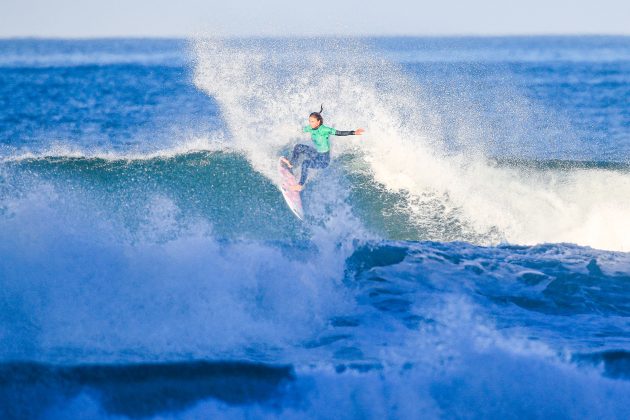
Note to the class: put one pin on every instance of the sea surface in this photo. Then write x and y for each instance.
(467, 257)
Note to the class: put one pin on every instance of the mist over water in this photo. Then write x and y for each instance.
(467, 256)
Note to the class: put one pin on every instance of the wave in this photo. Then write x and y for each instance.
(422, 172)
(87, 275)
(113, 272)
(139, 390)
(406, 151)
(567, 200)
(504, 386)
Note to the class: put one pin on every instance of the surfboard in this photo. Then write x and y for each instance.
(293, 199)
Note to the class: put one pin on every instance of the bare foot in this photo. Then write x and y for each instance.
(297, 187)
(286, 162)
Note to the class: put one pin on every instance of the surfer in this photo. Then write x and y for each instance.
(318, 156)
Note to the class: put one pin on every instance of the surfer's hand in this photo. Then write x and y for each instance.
(359, 131)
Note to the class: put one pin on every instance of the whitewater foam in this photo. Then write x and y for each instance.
(81, 284)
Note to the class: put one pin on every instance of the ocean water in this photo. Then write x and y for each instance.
(468, 257)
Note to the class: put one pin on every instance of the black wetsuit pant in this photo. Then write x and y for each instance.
(312, 159)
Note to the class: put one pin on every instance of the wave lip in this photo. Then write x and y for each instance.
(27, 390)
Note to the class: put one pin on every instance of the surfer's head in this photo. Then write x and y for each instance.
(315, 119)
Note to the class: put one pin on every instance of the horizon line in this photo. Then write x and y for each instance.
(268, 36)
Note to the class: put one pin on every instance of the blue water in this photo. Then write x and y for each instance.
(468, 257)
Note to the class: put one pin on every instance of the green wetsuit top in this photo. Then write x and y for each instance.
(321, 135)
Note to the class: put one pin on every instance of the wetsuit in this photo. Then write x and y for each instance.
(318, 156)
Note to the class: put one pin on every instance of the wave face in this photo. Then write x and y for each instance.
(467, 257)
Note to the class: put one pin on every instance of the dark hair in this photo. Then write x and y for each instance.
(318, 115)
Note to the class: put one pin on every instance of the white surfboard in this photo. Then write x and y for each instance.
(293, 199)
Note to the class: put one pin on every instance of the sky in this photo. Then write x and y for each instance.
(186, 18)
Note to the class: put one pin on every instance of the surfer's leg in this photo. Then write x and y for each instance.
(315, 160)
(307, 163)
(310, 154)
(298, 150)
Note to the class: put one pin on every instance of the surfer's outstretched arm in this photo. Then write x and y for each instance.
(357, 132)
